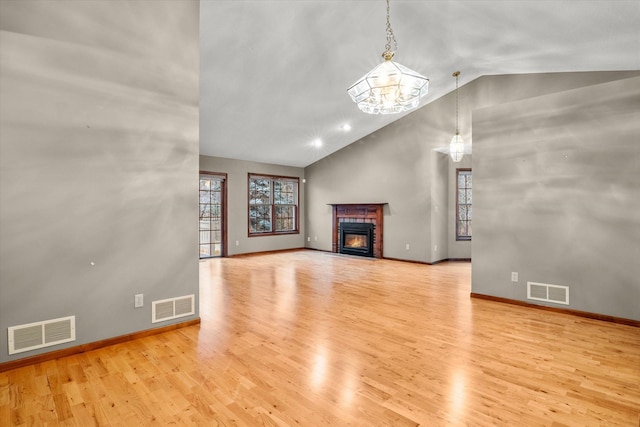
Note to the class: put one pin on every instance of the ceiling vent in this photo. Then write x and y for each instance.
(172, 308)
(37, 335)
(548, 293)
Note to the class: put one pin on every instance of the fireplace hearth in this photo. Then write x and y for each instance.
(356, 238)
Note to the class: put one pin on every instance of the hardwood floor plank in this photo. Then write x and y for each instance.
(305, 338)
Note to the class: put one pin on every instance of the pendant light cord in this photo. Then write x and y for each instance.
(456, 74)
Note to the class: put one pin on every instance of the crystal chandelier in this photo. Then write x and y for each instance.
(390, 87)
(456, 148)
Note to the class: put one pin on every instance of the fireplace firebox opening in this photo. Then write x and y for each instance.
(357, 238)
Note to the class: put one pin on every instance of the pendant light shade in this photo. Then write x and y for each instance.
(456, 147)
(390, 87)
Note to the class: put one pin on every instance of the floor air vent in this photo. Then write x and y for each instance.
(548, 293)
(172, 308)
(41, 334)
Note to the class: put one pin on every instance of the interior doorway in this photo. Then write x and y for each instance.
(213, 208)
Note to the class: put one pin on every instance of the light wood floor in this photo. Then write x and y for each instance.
(314, 339)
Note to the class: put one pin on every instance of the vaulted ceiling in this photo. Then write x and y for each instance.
(274, 74)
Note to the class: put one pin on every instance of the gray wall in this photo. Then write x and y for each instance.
(237, 204)
(556, 197)
(396, 165)
(439, 204)
(399, 165)
(381, 168)
(99, 162)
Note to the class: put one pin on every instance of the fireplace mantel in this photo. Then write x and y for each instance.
(359, 212)
(357, 204)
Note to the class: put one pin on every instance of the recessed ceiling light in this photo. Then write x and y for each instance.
(346, 127)
(317, 143)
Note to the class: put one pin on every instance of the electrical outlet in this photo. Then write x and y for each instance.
(315, 238)
(407, 246)
(237, 242)
(138, 300)
(514, 276)
(435, 248)
(308, 238)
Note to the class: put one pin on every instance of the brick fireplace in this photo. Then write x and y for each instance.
(358, 221)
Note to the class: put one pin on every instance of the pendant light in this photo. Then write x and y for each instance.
(456, 148)
(390, 87)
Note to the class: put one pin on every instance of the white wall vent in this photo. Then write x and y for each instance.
(37, 335)
(548, 293)
(172, 308)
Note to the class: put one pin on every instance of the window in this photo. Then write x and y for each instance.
(273, 205)
(212, 197)
(463, 204)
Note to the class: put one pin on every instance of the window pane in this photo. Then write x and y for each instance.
(204, 197)
(285, 218)
(205, 211)
(283, 198)
(284, 192)
(461, 197)
(205, 250)
(462, 228)
(468, 180)
(205, 184)
(259, 191)
(260, 219)
(462, 212)
(469, 211)
(205, 225)
(469, 233)
(216, 197)
(215, 212)
(468, 194)
(205, 237)
(461, 180)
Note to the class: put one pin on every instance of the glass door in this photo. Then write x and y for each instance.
(212, 200)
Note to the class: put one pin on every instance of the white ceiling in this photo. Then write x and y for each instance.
(274, 74)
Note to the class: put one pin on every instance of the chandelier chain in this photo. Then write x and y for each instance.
(390, 36)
